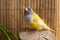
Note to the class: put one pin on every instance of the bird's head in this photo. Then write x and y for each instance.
(28, 11)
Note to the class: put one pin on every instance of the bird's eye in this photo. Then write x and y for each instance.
(29, 8)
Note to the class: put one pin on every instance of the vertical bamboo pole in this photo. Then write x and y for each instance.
(58, 21)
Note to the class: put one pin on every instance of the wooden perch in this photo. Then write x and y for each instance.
(38, 35)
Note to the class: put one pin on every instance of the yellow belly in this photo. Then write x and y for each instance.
(35, 26)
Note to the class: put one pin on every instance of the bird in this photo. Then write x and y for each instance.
(34, 20)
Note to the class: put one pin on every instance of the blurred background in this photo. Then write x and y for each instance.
(11, 14)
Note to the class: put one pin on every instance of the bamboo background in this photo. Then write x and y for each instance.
(11, 14)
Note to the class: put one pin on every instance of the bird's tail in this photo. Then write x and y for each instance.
(48, 28)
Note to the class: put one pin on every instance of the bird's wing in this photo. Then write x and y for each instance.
(38, 21)
(35, 16)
